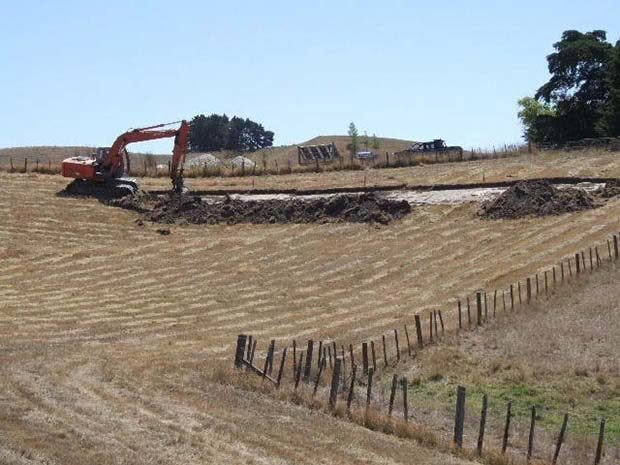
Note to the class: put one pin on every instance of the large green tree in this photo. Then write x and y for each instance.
(216, 132)
(610, 122)
(579, 87)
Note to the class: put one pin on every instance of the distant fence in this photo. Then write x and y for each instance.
(363, 362)
(601, 143)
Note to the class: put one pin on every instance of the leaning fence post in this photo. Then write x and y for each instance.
(281, 367)
(408, 343)
(599, 444)
(397, 346)
(483, 421)
(506, 428)
(459, 419)
(249, 350)
(418, 330)
(441, 322)
(308, 369)
(333, 394)
(392, 394)
(350, 397)
(320, 355)
(270, 352)
(560, 440)
(504, 300)
(365, 358)
(530, 441)
(241, 341)
(318, 376)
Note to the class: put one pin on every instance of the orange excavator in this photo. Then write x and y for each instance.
(107, 169)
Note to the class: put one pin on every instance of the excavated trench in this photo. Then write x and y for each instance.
(378, 205)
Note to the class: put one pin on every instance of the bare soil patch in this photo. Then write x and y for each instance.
(536, 198)
(169, 209)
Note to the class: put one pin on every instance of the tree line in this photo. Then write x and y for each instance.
(218, 132)
(582, 97)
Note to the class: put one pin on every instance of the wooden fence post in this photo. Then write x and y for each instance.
(504, 300)
(430, 328)
(441, 322)
(560, 440)
(486, 309)
(318, 376)
(537, 286)
(397, 345)
(483, 422)
(591, 263)
(299, 365)
(294, 357)
(512, 298)
(554, 280)
(506, 428)
(240, 351)
(598, 257)
(365, 358)
(405, 402)
(530, 440)
(418, 330)
(546, 283)
(253, 351)
(528, 291)
(459, 419)
(350, 396)
(519, 288)
(570, 269)
(333, 394)
(384, 351)
(615, 247)
(577, 264)
(308, 369)
(374, 355)
(478, 308)
(270, 353)
(408, 342)
(494, 302)
(609, 249)
(249, 350)
(562, 270)
(281, 367)
(320, 355)
(351, 352)
(460, 316)
(369, 388)
(392, 393)
(468, 313)
(599, 444)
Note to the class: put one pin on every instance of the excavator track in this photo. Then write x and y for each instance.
(113, 189)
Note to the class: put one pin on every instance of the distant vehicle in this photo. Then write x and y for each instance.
(366, 155)
(436, 145)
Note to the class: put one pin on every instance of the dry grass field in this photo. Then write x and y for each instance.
(112, 334)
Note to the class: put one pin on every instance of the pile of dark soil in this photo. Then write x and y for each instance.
(536, 198)
(611, 189)
(363, 208)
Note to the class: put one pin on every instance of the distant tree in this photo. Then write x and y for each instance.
(375, 142)
(365, 140)
(218, 132)
(609, 124)
(530, 110)
(579, 86)
(354, 138)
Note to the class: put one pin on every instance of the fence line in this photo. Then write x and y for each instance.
(340, 382)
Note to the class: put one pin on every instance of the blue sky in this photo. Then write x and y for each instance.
(80, 73)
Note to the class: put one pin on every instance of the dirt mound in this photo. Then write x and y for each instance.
(611, 189)
(536, 198)
(363, 208)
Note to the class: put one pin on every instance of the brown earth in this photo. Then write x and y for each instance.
(536, 198)
(363, 208)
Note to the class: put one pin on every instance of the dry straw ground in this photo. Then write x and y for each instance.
(110, 332)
